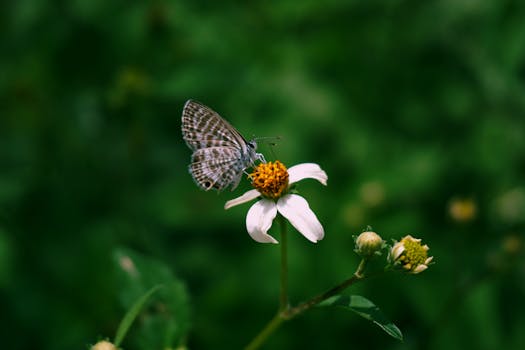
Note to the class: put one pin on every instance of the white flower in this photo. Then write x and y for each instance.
(271, 182)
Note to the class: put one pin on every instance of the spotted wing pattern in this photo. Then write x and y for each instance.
(220, 153)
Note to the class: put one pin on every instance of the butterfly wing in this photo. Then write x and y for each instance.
(220, 153)
(202, 128)
(216, 167)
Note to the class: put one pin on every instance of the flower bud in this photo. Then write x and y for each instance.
(368, 243)
(104, 345)
(409, 255)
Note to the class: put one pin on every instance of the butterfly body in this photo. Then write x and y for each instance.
(220, 152)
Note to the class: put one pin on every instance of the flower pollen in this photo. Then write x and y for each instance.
(270, 179)
(411, 255)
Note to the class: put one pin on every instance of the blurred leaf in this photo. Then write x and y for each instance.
(165, 322)
(364, 308)
(130, 316)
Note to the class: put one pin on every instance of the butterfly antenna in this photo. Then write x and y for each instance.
(267, 139)
(270, 141)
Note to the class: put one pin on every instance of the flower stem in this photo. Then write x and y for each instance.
(286, 313)
(283, 299)
(265, 333)
(299, 309)
(360, 272)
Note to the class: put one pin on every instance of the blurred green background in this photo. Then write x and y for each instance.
(415, 109)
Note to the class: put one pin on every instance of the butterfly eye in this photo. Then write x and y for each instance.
(252, 144)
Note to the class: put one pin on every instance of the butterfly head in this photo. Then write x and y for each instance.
(252, 144)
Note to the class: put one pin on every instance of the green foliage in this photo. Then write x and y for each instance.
(366, 309)
(131, 315)
(165, 324)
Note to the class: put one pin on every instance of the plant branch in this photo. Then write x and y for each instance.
(286, 312)
(265, 333)
(299, 309)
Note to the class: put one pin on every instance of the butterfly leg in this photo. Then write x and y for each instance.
(261, 157)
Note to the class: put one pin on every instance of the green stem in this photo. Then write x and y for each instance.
(288, 313)
(283, 299)
(360, 272)
(299, 309)
(265, 333)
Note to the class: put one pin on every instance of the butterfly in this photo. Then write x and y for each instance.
(220, 153)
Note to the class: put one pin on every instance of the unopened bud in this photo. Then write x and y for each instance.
(368, 243)
(104, 345)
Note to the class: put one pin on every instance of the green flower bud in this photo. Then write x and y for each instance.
(368, 243)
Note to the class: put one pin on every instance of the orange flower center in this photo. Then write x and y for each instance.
(270, 179)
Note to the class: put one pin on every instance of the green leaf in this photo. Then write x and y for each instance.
(130, 316)
(164, 323)
(364, 308)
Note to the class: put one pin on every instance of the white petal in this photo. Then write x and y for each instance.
(295, 208)
(248, 196)
(397, 250)
(420, 268)
(307, 171)
(259, 220)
